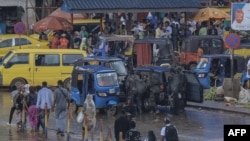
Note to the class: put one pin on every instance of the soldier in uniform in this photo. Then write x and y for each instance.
(153, 84)
(177, 88)
(135, 88)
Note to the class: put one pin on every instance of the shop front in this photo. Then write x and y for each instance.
(9, 16)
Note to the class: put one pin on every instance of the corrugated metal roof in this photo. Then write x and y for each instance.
(131, 5)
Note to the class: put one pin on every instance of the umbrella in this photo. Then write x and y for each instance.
(59, 13)
(208, 13)
(52, 23)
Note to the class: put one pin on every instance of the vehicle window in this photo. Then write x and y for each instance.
(119, 67)
(6, 56)
(69, 59)
(21, 58)
(107, 79)
(6, 43)
(191, 78)
(146, 74)
(21, 41)
(47, 60)
(203, 63)
(216, 43)
(205, 43)
(184, 46)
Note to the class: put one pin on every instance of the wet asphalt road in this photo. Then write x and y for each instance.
(193, 125)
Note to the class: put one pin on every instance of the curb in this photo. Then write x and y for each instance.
(237, 110)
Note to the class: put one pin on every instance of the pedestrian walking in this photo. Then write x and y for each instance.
(31, 99)
(60, 107)
(14, 91)
(150, 136)
(121, 125)
(168, 131)
(17, 102)
(132, 134)
(44, 98)
(89, 112)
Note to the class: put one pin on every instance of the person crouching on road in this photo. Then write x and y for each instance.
(60, 106)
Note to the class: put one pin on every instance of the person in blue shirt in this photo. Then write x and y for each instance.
(44, 98)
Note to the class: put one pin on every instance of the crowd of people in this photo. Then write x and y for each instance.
(170, 25)
(36, 103)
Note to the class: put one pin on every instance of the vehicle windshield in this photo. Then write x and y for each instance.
(119, 67)
(107, 79)
(202, 64)
(6, 56)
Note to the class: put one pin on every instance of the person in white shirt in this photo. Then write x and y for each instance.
(168, 125)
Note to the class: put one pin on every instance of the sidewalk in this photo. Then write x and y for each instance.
(217, 105)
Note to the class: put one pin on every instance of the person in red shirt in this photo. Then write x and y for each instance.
(64, 41)
(55, 42)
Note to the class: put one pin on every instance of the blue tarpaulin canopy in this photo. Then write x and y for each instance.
(105, 6)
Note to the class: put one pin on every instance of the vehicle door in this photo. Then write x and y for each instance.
(22, 43)
(216, 46)
(194, 90)
(84, 86)
(18, 66)
(47, 68)
(5, 46)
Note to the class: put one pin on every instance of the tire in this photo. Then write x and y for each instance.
(18, 82)
(66, 83)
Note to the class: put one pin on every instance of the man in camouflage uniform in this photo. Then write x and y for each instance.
(135, 88)
(153, 84)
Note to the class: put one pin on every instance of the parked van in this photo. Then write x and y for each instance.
(33, 66)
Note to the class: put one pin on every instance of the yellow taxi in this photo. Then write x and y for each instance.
(13, 41)
(33, 66)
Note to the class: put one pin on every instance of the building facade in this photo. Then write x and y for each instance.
(27, 11)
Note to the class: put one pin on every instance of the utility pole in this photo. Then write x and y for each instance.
(27, 19)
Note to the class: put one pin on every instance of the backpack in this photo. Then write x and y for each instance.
(171, 133)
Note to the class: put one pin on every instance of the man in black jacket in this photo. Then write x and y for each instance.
(121, 125)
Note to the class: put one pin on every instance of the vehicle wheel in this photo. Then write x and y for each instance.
(18, 82)
(66, 83)
(146, 106)
(192, 66)
(112, 110)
